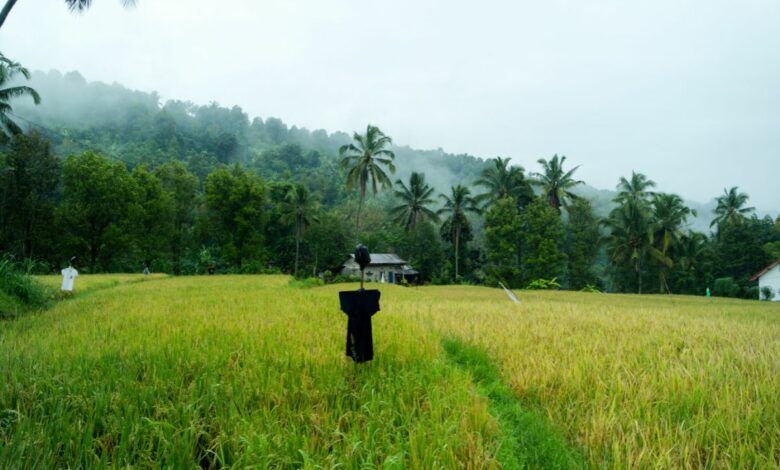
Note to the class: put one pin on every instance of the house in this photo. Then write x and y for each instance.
(769, 277)
(384, 267)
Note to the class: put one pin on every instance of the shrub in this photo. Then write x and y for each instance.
(544, 284)
(306, 283)
(17, 283)
(590, 288)
(767, 293)
(341, 278)
(725, 287)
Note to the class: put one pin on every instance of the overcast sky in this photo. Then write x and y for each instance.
(687, 92)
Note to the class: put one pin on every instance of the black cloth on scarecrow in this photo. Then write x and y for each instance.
(360, 306)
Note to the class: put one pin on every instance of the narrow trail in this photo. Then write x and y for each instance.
(529, 440)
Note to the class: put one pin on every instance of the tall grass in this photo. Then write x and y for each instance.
(19, 291)
(241, 371)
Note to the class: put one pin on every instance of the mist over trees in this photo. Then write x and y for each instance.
(114, 177)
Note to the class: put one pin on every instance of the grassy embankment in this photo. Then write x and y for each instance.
(239, 370)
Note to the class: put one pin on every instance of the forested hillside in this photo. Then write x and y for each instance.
(121, 180)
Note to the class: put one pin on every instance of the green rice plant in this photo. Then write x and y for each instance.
(241, 371)
(20, 291)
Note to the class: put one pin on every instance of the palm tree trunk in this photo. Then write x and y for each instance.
(638, 269)
(357, 221)
(457, 251)
(6, 10)
(297, 249)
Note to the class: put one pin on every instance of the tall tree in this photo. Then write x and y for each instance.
(153, 217)
(637, 189)
(97, 195)
(364, 159)
(457, 205)
(543, 239)
(629, 240)
(693, 267)
(583, 241)
(503, 230)
(8, 70)
(555, 182)
(669, 216)
(183, 187)
(422, 248)
(28, 185)
(415, 202)
(501, 180)
(300, 211)
(235, 201)
(731, 208)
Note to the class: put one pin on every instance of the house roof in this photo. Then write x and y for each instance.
(383, 258)
(765, 270)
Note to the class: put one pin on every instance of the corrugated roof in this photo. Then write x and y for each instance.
(765, 270)
(384, 258)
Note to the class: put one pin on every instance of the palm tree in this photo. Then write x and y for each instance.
(73, 5)
(458, 205)
(365, 158)
(731, 207)
(8, 70)
(415, 201)
(669, 215)
(692, 249)
(629, 241)
(299, 208)
(502, 181)
(636, 189)
(555, 182)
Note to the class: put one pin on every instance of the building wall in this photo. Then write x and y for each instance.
(373, 272)
(771, 279)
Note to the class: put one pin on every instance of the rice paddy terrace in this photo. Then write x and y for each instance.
(246, 371)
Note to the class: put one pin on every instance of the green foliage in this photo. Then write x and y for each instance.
(98, 200)
(29, 175)
(8, 70)
(544, 284)
(731, 208)
(502, 242)
(153, 216)
(590, 288)
(415, 202)
(630, 242)
(555, 182)
(582, 243)
(767, 293)
(456, 226)
(364, 160)
(306, 283)
(422, 248)
(183, 189)
(235, 204)
(501, 180)
(725, 287)
(19, 292)
(542, 241)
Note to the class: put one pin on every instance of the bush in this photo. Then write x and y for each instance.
(590, 288)
(341, 278)
(767, 293)
(725, 287)
(544, 284)
(307, 283)
(17, 283)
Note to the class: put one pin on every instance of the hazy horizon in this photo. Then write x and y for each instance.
(683, 93)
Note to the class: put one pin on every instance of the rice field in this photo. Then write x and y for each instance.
(245, 371)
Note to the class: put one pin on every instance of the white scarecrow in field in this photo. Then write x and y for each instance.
(69, 275)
